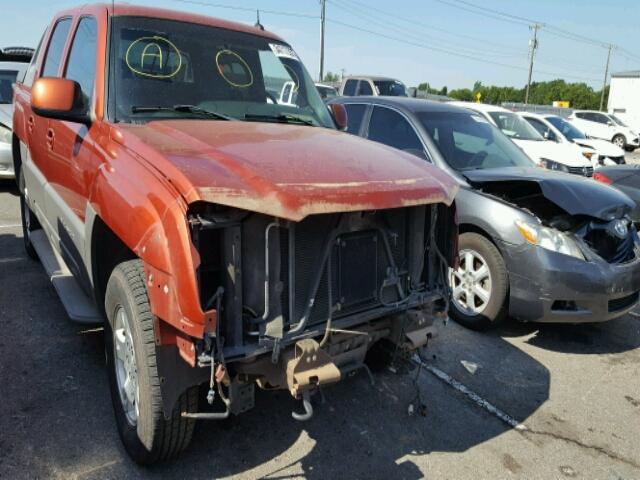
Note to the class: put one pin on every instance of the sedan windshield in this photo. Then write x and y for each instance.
(7, 79)
(390, 88)
(567, 129)
(171, 69)
(469, 142)
(514, 126)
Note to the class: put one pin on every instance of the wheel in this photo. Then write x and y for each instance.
(29, 221)
(629, 148)
(619, 141)
(133, 376)
(480, 285)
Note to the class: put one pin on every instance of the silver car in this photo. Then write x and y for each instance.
(13, 65)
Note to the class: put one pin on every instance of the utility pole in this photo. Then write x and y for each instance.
(606, 73)
(323, 4)
(533, 44)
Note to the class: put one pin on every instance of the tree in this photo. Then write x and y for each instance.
(331, 77)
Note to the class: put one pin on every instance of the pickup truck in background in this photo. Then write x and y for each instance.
(229, 239)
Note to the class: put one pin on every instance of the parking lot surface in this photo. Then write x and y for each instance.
(573, 390)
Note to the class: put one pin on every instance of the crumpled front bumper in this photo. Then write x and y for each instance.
(6, 161)
(551, 287)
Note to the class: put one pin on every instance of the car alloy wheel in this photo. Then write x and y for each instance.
(125, 365)
(619, 141)
(470, 283)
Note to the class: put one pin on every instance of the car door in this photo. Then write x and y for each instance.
(392, 128)
(72, 151)
(38, 171)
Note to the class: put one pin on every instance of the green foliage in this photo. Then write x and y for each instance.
(331, 77)
(580, 95)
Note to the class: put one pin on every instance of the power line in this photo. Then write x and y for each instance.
(449, 52)
(248, 9)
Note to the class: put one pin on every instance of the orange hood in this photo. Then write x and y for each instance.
(287, 171)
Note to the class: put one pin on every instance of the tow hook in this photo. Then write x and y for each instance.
(308, 408)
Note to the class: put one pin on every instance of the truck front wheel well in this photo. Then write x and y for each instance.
(107, 252)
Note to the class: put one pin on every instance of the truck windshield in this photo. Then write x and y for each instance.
(516, 127)
(7, 79)
(390, 88)
(171, 69)
(469, 142)
(568, 130)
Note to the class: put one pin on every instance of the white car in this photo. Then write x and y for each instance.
(10, 68)
(551, 155)
(557, 129)
(605, 126)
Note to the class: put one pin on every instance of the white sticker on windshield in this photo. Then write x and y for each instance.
(283, 51)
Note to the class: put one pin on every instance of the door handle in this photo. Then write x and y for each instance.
(50, 138)
(31, 122)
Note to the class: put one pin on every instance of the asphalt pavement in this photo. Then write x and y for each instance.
(543, 402)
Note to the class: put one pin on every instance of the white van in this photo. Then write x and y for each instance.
(605, 126)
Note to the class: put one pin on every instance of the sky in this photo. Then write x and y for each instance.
(442, 42)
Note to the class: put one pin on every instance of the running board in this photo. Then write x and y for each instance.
(78, 305)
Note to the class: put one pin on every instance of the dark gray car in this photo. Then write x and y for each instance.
(534, 244)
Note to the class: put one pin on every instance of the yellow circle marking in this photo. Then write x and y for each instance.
(154, 42)
(221, 70)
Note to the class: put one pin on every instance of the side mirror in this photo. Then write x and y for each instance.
(339, 114)
(60, 99)
(610, 123)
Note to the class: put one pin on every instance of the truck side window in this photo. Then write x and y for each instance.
(81, 66)
(365, 88)
(350, 88)
(391, 128)
(354, 117)
(56, 47)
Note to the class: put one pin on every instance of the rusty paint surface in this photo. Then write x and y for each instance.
(287, 171)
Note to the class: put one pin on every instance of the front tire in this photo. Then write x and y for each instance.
(480, 285)
(29, 221)
(133, 374)
(619, 141)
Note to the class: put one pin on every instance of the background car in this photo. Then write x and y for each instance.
(376, 86)
(557, 129)
(327, 92)
(550, 155)
(605, 126)
(13, 64)
(534, 244)
(625, 178)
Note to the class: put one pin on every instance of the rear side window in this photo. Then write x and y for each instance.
(391, 128)
(365, 88)
(82, 59)
(350, 88)
(56, 47)
(355, 113)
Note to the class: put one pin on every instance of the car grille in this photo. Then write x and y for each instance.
(612, 248)
(622, 303)
(584, 171)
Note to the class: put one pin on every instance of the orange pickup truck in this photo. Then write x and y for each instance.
(181, 178)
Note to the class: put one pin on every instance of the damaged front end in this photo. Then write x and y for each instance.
(299, 304)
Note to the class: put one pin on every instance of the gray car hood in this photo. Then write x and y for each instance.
(574, 194)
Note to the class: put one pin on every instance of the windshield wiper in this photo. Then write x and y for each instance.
(182, 109)
(278, 118)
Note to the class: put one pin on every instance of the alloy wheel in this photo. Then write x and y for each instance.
(125, 365)
(471, 283)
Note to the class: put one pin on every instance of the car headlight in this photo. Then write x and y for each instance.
(549, 238)
(551, 165)
(5, 134)
(588, 155)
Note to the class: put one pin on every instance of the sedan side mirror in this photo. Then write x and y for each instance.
(339, 114)
(60, 99)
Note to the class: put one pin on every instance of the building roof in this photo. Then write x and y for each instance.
(627, 74)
